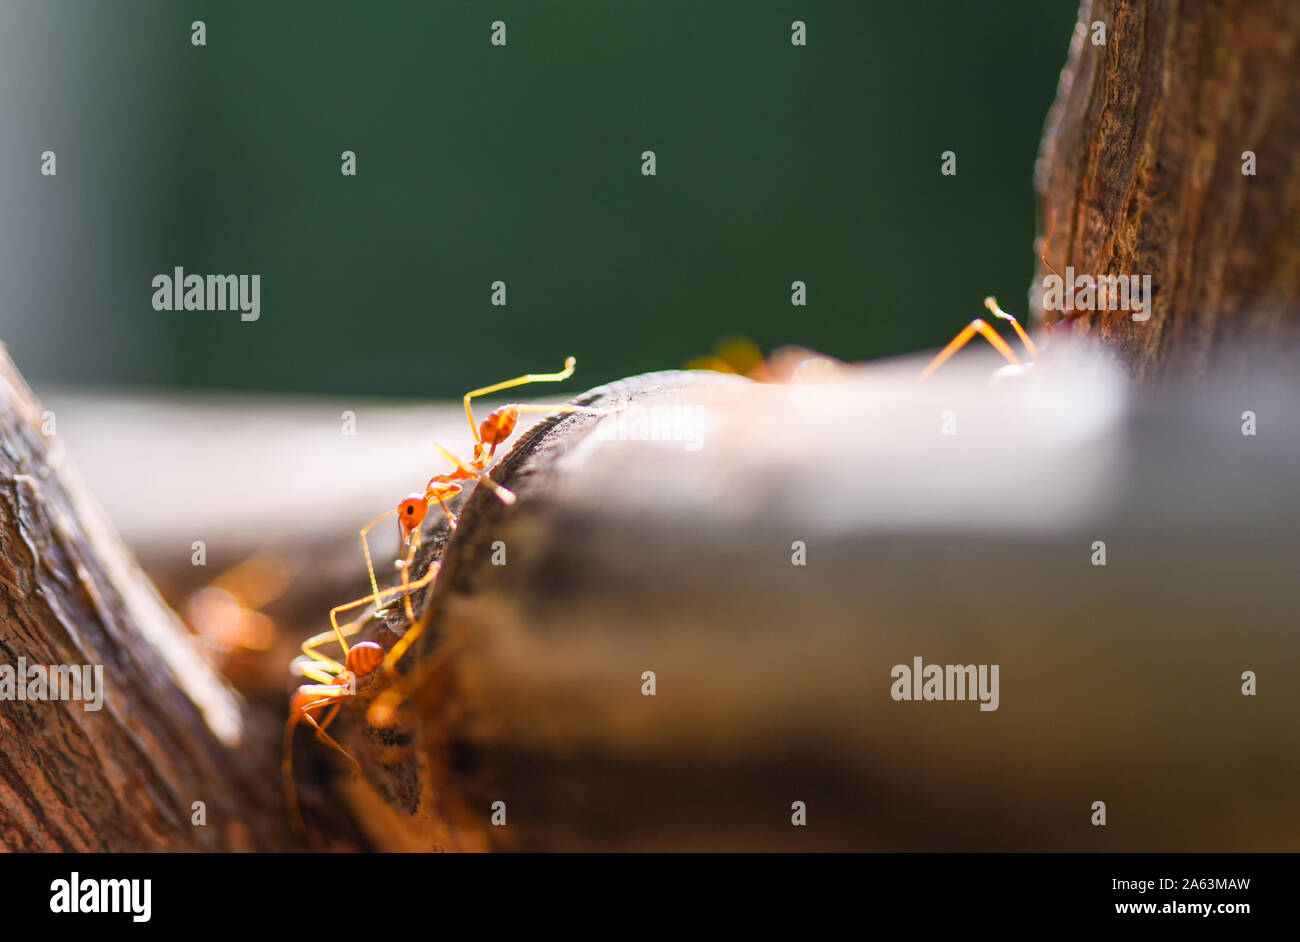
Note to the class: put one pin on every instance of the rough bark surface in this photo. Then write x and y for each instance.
(1140, 172)
(170, 731)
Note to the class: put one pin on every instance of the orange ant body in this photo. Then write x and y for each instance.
(335, 681)
(491, 434)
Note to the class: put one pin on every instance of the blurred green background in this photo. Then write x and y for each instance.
(476, 163)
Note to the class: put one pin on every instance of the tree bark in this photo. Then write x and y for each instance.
(519, 719)
(169, 732)
(1140, 173)
(526, 683)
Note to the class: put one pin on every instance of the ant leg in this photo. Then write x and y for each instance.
(315, 670)
(328, 740)
(992, 304)
(977, 326)
(1047, 246)
(559, 377)
(365, 548)
(406, 571)
(564, 407)
(507, 496)
(405, 642)
(311, 644)
(412, 587)
(374, 583)
(377, 598)
(347, 606)
(451, 517)
(286, 764)
(329, 716)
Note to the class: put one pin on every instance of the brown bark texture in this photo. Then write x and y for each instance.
(1141, 173)
(168, 734)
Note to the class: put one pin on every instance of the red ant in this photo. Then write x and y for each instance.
(334, 681)
(981, 327)
(488, 436)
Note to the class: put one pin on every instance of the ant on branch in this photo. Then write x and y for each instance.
(981, 327)
(491, 434)
(334, 680)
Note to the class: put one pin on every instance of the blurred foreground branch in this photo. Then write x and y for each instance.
(769, 568)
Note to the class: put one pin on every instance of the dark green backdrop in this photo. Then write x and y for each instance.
(521, 163)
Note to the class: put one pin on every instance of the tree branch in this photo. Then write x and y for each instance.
(1140, 172)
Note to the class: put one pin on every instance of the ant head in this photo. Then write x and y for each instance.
(364, 657)
(410, 514)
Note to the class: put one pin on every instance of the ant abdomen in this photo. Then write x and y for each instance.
(364, 657)
(499, 426)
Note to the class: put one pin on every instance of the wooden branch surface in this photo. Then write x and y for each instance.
(1118, 683)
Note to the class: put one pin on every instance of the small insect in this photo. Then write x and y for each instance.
(333, 681)
(981, 327)
(319, 702)
(797, 364)
(490, 435)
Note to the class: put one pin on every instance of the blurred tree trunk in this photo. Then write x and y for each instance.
(169, 758)
(1141, 172)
